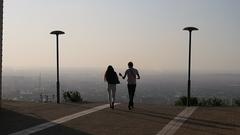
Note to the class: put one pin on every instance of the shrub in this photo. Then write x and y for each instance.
(203, 102)
(216, 101)
(213, 101)
(237, 101)
(73, 96)
(182, 101)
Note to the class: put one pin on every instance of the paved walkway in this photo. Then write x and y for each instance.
(143, 120)
(172, 127)
(212, 121)
(46, 125)
(99, 119)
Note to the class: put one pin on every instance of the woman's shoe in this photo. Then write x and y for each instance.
(129, 107)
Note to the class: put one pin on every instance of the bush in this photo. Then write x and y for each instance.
(182, 101)
(203, 102)
(213, 101)
(216, 102)
(72, 96)
(237, 101)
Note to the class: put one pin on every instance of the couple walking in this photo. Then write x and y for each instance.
(111, 78)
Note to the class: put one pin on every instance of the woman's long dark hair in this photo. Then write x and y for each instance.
(109, 72)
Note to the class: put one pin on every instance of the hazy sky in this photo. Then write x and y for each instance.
(102, 32)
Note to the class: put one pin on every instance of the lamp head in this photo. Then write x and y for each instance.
(190, 28)
(57, 32)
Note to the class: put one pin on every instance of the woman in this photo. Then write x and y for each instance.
(112, 79)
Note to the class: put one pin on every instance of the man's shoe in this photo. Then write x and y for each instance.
(112, 105)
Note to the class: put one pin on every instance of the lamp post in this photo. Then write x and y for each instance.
(190, 29)
(57, 33)
(1, 35)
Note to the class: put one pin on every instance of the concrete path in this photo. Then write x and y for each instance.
(43, 119)
(212, 121)
(142, 120)
(172, 127)
(46, 125)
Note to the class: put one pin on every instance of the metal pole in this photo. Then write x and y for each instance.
(189, 29)
(57, 33)
(189, 71)
(1, 34)
(58, 83)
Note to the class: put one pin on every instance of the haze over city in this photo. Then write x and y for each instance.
(99, 33)
(102, 33)
(119, 67)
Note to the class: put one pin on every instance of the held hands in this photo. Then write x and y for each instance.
(121, 76)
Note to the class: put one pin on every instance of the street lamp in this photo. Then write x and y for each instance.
(1, 47)
(57, 33)
(190, 29)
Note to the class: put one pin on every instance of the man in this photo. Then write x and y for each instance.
(132, 74)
